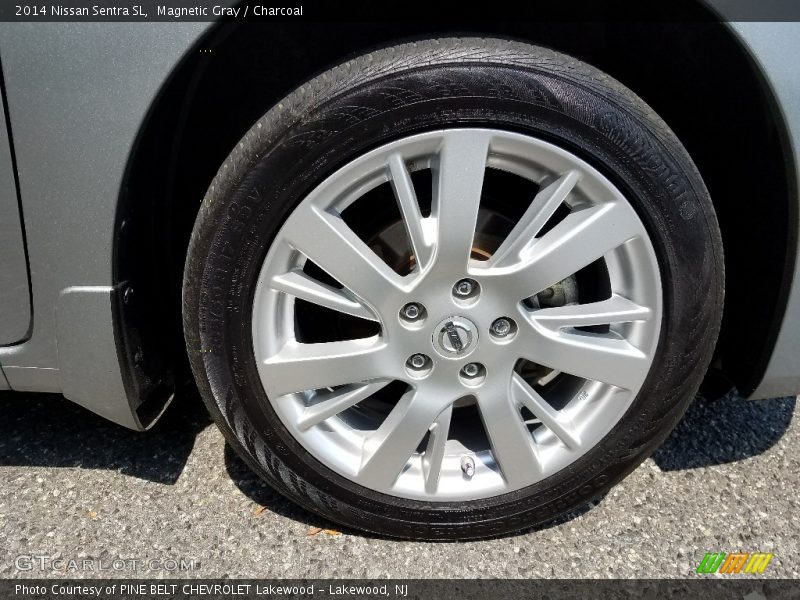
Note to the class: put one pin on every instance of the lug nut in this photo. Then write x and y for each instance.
(471, 370)
(472, 374)
(501, 327)
(417, 361)
(464, 287)
(412, 311)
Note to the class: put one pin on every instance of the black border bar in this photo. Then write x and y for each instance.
(333, 11)
(734, 587)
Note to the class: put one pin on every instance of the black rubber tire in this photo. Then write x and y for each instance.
(407, 89)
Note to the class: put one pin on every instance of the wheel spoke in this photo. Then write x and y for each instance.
(409, 209)
(616, 309)
(561, 427)
(299, 284)
(299, 367)
(604, 357)
(434, 452)
(327, 240)
(387, 450)
(459, 175)
(332, 403)
(510, 440)
(543, 206)
(583, 236)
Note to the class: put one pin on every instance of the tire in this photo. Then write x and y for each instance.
(412, 89)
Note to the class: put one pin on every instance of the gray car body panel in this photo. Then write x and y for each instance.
(3, 381)
(774, 48)
(15, 306)
(86, 89)
(78, 94)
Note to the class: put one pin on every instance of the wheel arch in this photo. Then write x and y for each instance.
(213, 97)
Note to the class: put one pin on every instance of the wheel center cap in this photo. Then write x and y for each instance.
(455, 337)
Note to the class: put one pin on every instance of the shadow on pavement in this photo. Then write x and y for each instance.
(724, 431)
(45, 430)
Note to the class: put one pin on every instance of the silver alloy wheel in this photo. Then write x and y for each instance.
(417, 450)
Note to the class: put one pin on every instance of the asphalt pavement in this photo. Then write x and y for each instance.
(83, 497)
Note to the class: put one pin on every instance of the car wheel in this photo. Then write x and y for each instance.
(452, 289)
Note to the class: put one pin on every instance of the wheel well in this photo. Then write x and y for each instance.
(695, 75)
